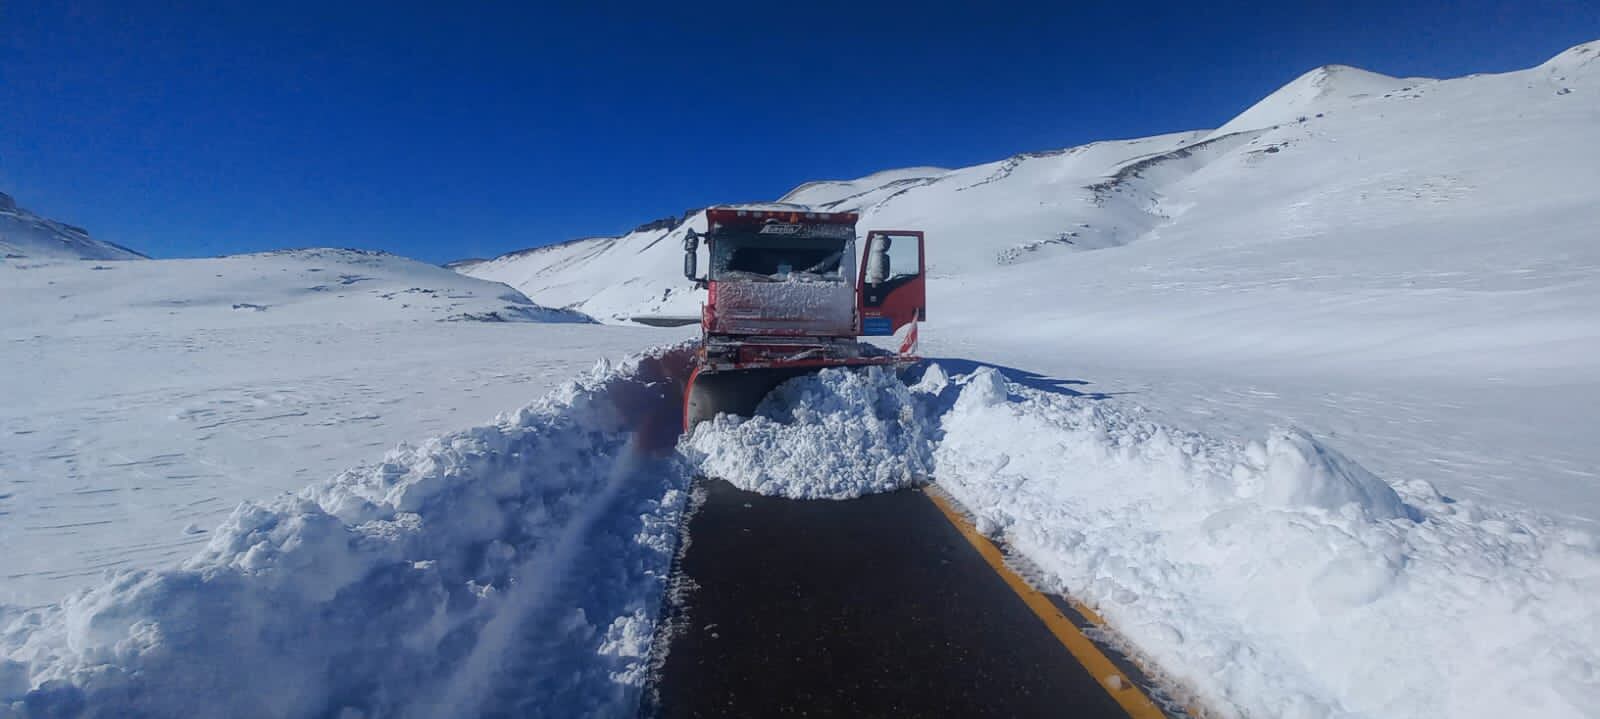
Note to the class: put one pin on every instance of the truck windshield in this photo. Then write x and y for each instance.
(767, 259)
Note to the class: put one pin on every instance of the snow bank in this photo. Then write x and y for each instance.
(1279, 578)
(836, 434)
(515, 567)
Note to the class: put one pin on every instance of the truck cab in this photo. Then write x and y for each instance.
(785, 296)
(786, 271)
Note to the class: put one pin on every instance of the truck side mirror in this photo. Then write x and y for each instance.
(691, 270)
(877, 259)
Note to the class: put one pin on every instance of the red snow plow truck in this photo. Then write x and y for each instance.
(786, 297)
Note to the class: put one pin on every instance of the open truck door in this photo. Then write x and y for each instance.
(893, 295)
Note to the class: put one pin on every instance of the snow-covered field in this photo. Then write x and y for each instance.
(144, 400)
(1303, 405)
(415, 569)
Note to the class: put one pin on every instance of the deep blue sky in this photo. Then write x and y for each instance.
(442, 130)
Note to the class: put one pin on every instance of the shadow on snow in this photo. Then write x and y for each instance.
(1032, 380)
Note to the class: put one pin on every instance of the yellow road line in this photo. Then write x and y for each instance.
(1118, 685)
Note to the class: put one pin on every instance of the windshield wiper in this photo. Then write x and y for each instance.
(831, 260)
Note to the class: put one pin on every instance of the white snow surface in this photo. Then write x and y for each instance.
(837, 434)
(25, 236)
(513, 568)
(144, 401)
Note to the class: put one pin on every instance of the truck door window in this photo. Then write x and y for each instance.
(893, 258)
(891, 262)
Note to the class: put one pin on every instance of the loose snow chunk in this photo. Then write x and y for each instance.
(934, 380)
(1300, 472)
(837, 434)
(986, 388)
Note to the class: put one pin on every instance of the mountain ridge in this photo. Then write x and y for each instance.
(1331, 152)
(25, 235)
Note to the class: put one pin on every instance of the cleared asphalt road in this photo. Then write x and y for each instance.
(877, 606)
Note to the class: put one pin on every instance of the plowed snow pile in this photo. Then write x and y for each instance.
(512, 569)
(1280, 578)
(837, 434)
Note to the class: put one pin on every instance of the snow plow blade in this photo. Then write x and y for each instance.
(734, 391)
(739, 390)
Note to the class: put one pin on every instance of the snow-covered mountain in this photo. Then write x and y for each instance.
(619, 277)
(24, 235)
(1390, 182)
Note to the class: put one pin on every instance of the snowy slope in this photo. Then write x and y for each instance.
(609, 278)
(1385, 151)
(1416, 275)
(24, 235)
(1453, 242)
(1325, 87)
(829, 193)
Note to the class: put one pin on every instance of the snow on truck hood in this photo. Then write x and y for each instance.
(794, 304)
